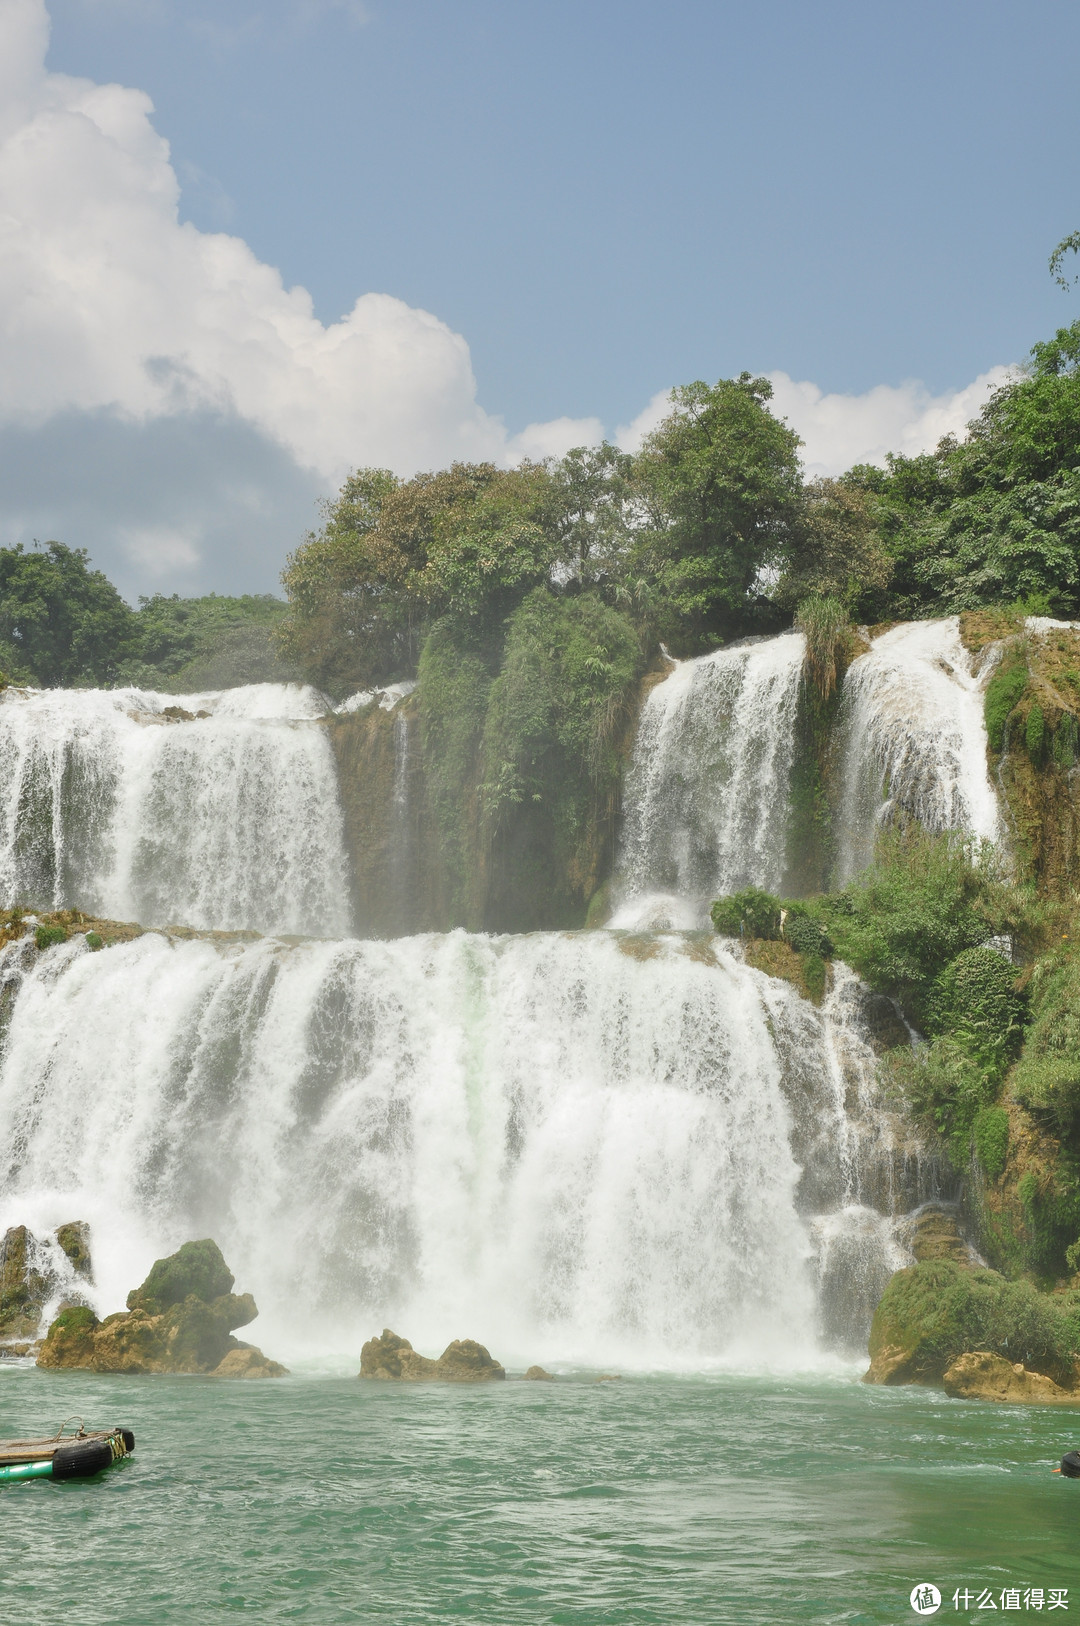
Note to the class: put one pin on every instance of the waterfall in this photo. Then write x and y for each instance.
(706, 800)
(586, 1146)
(213, 810)
(913, 740)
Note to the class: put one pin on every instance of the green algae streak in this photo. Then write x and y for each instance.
(680, 1501)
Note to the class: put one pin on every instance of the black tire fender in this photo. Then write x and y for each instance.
(81, 1458)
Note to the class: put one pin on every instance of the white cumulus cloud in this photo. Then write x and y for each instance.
(166, 401)
(839, 430)
(108, 300)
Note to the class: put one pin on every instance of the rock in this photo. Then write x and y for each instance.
(245, 1361)
(465, 1361)
(16, 1351)
(196, 1268)
(981, 1375)
(936, 1235)
(74, 1239)
(610, 1377)
(180, 1320)
(24, 1287)
(538, 1375)
(393, 1359)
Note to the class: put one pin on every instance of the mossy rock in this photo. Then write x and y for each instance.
(74, 1239)
(936, 1311)
(71, 1339)
(196, 1270)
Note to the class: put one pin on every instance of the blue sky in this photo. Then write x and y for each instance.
(602, 200)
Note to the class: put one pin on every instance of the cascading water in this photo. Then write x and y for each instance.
(913, 741)
(706, 801)
(585, 1145)
(228, 820)
(600, 1146)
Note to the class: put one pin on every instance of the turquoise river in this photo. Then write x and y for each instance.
(674, 1500)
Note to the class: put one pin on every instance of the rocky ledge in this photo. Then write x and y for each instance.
(942, 1322)
(393, 1359)
(37, 1270)
(180, 1320)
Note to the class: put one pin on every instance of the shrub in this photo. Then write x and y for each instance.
(825, 624)
(1047, 1076)
(46, 936)
(902, 921)
(991, 1131)
(94, 940)
(805, 934)
(1065, 741)
(937, 1310)
(946, 1087)
(975, 1000)
(1035, 732)
(1002, 694)
(751, 913)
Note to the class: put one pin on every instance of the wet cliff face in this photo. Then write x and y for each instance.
(1033, 728)
(427, 856)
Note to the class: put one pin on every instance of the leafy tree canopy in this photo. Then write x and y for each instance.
(720, 482)
(61, 623)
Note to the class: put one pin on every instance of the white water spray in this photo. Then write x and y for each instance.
(230, 821)
(913, 741)
(570, 1146)
(706, 801)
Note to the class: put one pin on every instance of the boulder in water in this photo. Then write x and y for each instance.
(31, 1273)
(982, 1375)
(466, 1361)
(245, 1361)
(180, 1320)
(536, 1374)
(393, 1359)
(196, 1269)
(74, 1239)
(24, 1288)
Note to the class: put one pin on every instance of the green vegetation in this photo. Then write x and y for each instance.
(195, 1268)
(63, 624)
(751, 913)
(1003, 693)
(993, 518)
(46, 936)
(937, 1310)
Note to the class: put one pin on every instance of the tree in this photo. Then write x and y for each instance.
(994, 518)
(393, 557)
(592, 511)
(61, 623)
(719, 480)
(835, 549)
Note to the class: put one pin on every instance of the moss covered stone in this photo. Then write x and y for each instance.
(933, 1312)
(180, 1320)
(197, 1270)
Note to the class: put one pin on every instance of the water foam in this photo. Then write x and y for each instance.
(229, 821)
(579, 1146)
(913, 741)
(706, 801)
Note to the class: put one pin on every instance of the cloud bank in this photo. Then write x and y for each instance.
(838, 431)
(167, 402)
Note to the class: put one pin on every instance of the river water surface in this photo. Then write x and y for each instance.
(654, 1499)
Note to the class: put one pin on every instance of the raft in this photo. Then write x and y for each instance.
(64, 1456)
